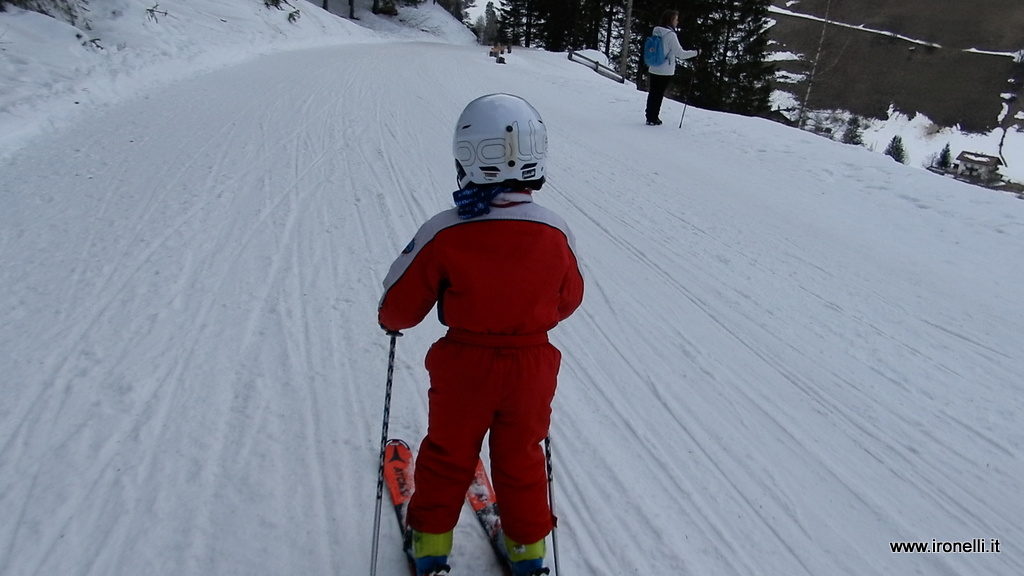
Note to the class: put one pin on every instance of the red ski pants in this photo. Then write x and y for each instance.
(503, 384)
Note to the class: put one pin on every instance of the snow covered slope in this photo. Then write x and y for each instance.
(791, 353)
(52, 72)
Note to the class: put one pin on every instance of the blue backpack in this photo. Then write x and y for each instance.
(654, 51)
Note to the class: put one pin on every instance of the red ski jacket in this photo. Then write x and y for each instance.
(510, 272)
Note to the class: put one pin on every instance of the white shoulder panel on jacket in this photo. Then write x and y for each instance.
(526, 211)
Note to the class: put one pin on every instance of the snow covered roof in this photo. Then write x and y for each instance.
(978, 158)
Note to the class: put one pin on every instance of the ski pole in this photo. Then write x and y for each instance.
(687, 101)
(551, 504)
(383, 443)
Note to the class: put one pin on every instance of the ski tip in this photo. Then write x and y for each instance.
(397, 451)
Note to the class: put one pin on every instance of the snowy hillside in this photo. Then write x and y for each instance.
(792, 352)
(51, 72)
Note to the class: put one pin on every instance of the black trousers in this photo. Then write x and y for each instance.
(655, 95)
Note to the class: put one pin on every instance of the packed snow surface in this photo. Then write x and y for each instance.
(792, 352)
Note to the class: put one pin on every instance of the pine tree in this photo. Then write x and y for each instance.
(613, 21)
(489, 33)
(945, 158)
(466, 5)
(896, 151)
(559, 25)
(512, 20)
(589, 24)
(478, 29)
(522, 19)
(456, 8)
(386, 7)
(732, 74)
(853, 133)
(556, 23)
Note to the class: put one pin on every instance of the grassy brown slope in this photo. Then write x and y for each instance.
(864, 72)
(984, 24)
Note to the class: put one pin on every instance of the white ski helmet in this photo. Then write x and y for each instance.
(500, 137)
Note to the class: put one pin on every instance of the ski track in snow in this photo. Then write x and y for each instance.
(765, 378)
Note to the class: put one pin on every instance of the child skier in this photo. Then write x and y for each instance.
(502, 271)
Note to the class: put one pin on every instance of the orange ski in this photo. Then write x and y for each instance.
(398, 476)
(484, 503)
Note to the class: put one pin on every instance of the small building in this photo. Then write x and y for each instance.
(977, 166)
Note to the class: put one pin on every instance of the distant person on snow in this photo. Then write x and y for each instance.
(503, 272)
(660, 75)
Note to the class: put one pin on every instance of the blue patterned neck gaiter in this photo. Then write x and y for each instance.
(475, 199)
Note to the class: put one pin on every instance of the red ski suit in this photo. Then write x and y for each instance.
(500, 282)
